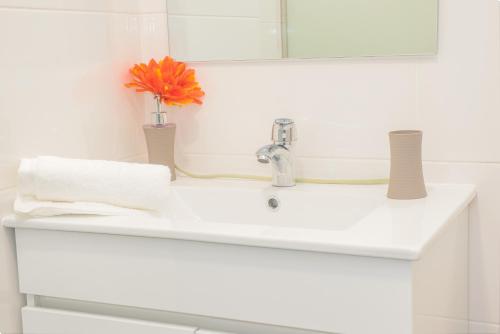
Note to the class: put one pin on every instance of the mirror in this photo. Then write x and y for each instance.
(202, 30)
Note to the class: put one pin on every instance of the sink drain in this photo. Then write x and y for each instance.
(273, 204)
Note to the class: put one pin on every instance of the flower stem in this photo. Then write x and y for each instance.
(159, 118)
(158, 104)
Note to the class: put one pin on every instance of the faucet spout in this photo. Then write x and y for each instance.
(264, 154)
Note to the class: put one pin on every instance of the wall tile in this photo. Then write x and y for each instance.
(305, 167)
(8, 170)
(458, 91)
(154, 36)
(117, 6)
(65, 95)
(340, 107)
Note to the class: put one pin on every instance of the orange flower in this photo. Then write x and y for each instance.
(169, 80)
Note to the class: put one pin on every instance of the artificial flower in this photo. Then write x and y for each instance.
(168, 80)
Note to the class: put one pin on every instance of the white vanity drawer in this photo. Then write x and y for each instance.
(47, 321)
(247, 284)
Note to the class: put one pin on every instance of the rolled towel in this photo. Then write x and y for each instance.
(126, 185)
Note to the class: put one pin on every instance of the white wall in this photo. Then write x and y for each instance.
(62, 65)
(344, 109)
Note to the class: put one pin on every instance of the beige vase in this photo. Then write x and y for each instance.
(160, 142)
(406, 177)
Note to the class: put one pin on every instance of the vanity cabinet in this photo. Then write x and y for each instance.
(107, 276)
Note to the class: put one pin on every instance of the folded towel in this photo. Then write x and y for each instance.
(64, 186)
(28, 205)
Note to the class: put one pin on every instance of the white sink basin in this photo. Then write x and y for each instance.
(305, 207)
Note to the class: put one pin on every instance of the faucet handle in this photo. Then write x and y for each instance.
(284, 131)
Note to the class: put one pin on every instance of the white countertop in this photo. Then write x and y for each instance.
(394, 229)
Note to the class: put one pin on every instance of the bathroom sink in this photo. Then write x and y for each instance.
(304, 207)
(355, 220)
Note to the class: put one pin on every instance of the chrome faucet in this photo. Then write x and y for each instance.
(280, 153)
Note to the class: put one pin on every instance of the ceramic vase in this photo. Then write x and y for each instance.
(406, 177)
(160, 140)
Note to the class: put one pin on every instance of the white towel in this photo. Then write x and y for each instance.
(30, 206)
(53, 186)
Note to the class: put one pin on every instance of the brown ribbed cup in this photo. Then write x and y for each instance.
(160, 142)
(406, 178)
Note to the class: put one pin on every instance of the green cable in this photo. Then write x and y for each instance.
(298, 180)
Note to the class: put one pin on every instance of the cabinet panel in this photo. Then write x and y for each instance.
(304, 290)
(47, 321)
